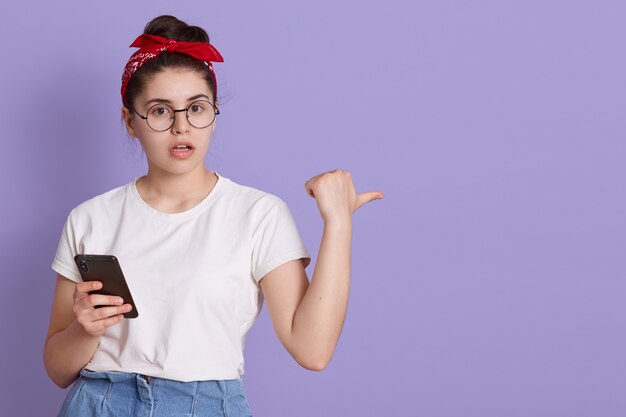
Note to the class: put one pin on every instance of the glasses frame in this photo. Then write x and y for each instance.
(217, 111)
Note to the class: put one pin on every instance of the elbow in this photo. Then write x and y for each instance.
(318, 363)
(61, 384)
(59, 381)
(312, 355)
(320, 366)
(54, 378)
(53, 375)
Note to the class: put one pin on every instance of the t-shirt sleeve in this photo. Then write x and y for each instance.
(63, 262)
(276, 240)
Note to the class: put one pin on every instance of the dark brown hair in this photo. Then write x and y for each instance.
(170, 27)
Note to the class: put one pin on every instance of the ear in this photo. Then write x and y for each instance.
(127, 115)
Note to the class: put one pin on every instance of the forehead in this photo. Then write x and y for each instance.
(176, 85)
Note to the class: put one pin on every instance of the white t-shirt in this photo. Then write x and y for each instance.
(194, 275)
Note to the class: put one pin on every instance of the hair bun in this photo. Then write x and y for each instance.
(171, 27)
(196, 34)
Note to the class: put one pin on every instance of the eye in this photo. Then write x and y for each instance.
(197, 107)
(160, 111)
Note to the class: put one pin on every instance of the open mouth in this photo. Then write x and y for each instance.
(181, 148)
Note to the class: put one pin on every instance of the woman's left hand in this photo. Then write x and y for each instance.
(335, 194)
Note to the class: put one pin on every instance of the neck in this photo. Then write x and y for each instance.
(174, 189)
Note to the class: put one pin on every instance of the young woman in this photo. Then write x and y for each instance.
(200, 253)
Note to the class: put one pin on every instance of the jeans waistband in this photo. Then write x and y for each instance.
(114, 376)
(119, 376)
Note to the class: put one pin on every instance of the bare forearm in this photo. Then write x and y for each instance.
(319, 319)
(67, 352)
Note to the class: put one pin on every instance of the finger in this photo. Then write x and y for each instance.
(313, 178)
(306, 187)
(92, 300)
(106, 312)
(86, 286)
(112, 320)
(367, 197)
(98, 327)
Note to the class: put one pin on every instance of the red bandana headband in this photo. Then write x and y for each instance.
(152, 45)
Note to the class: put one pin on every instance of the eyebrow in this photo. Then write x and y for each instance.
(162, 100)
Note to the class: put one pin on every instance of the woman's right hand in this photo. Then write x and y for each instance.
(95, 321)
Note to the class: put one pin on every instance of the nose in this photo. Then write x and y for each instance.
(181, 124)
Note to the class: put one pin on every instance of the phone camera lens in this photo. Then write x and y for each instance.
(83, 266)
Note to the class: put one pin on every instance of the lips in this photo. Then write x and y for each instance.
(182, 150)
(181, 147)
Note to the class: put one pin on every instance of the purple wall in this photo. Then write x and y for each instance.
(490, 281)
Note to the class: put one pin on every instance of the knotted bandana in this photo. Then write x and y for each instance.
(152, 45)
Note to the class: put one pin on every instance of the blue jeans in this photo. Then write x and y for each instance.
(122, 394)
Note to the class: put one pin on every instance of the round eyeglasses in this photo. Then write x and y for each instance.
(160, 117)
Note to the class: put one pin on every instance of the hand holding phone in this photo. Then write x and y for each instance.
(105, 269)
(96, 320)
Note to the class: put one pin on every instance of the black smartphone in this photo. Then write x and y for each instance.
(106, 269)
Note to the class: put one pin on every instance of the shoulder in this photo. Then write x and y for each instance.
(253, 199)
(101, 203)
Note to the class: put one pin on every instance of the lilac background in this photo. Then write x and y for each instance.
(488, 282)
